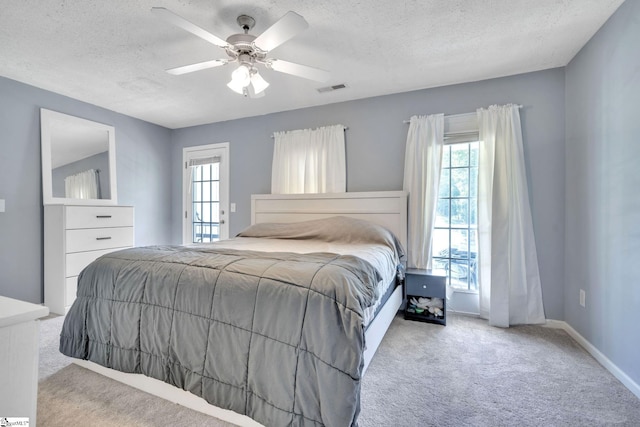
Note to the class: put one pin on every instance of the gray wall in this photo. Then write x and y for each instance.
(142, 159)
(602, 183)
(375, 152)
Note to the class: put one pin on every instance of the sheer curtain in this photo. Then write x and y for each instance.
(509, 280)
(83, 185)
(422, 163)
(309, 161)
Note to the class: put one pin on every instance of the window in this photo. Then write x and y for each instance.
(455, 234)
(206, 189)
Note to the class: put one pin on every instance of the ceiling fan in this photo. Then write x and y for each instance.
(248, 51)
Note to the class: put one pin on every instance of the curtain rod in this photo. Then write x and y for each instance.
(451, 115)
(345, 128)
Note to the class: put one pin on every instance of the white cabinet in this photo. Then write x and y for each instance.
(74, 236)
(19, 333)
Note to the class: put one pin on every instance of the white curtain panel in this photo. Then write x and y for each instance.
(422, 164)
(83, 185)
(309, 161)
(509, 280)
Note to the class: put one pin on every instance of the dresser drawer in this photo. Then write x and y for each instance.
(77, 261)
(425, 285)
(93, 239)
(99, 216)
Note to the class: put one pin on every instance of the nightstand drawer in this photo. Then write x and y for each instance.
(426, 286)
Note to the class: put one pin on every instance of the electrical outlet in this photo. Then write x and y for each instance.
(582, 297)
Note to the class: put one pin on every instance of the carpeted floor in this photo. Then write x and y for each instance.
(51, 360)
(75, 396)
(464, 374)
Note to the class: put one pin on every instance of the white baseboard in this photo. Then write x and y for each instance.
(597, 354)
(463, 313)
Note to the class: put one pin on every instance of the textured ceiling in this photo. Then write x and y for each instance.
(113, 53)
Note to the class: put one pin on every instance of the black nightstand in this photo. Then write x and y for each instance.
(421, 283)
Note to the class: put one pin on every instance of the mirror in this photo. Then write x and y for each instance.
(78, 160)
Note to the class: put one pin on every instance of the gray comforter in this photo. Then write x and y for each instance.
(275, 336)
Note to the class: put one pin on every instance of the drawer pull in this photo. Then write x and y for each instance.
(103, 216)
(103, 238)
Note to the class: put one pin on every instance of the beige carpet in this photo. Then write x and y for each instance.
(464, 374)
(75, 396)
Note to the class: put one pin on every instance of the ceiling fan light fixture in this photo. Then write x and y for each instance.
(241, 75)
(246, 81)
(236, 87)
(240, 79)
(259, 84)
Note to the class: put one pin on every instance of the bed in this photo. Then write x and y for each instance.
(290, 312)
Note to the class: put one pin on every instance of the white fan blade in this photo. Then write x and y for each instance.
(299, 70)
(179, 21)
(197, 67)
(284, 29)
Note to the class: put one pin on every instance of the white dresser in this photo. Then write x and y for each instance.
(73, 237)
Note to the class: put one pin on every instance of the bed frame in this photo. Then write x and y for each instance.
(386, 208)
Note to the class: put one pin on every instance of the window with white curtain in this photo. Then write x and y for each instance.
(309, 161)
(482, 235)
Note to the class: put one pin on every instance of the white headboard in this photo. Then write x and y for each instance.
(386, 208)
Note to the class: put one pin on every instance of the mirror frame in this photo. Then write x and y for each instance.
(47, 118)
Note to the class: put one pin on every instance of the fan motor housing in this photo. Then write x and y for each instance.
(241, 41)
(242, 44)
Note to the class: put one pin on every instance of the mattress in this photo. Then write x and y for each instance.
(381, 257)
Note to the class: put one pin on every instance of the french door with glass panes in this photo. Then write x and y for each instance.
(206, 193)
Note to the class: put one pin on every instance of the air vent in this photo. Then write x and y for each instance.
(332, 88)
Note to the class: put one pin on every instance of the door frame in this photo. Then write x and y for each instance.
(221, 149)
